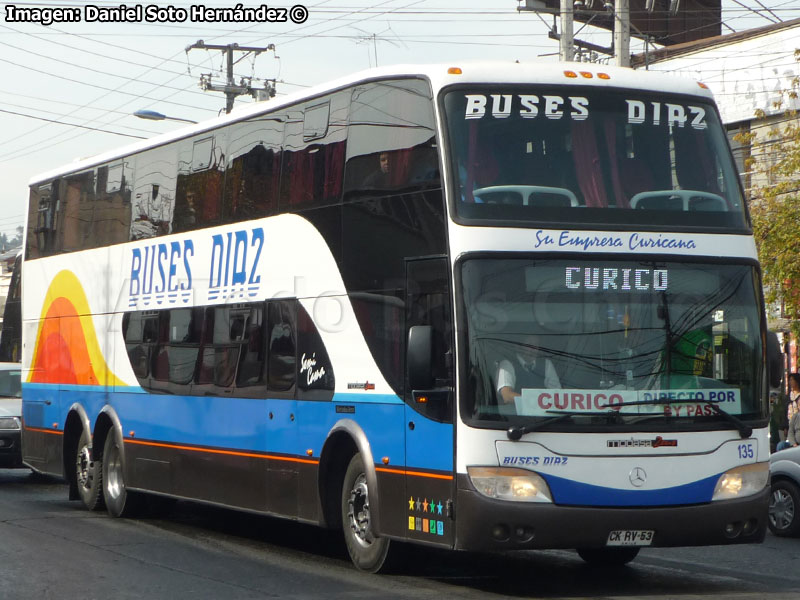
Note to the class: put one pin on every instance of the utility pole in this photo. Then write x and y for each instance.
(622, 33)
(566, 45)
(231, 89)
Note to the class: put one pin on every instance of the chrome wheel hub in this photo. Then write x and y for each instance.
(358, 512)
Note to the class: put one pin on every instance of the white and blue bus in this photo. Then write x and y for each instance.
(480, 307)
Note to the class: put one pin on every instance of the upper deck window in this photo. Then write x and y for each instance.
(566, 155)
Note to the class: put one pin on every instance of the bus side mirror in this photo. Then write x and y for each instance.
(418, 357)
(774, 359)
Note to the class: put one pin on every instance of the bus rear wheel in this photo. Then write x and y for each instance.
(119, 501)
(367, 551)
(88, 474)
(608, 557)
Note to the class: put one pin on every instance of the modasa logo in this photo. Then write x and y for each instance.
(658, 442)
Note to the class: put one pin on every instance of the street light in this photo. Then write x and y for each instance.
(152, 115)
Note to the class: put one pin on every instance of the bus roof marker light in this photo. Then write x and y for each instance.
(702, 85)
(454, 71)
(131, 433)
(603, 76)
(310, 452)
(385, 460)
(586, 74)
(571, 74)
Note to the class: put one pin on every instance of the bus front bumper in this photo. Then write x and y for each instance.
(485, 524)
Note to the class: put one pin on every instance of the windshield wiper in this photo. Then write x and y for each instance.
(745, 431)
(515, 432)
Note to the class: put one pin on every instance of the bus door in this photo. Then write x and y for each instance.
(429, 402)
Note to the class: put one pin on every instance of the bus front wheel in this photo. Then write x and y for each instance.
(608, 557)
(88, 474)
(367, 551)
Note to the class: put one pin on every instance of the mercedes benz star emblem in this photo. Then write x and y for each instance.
(638, 477)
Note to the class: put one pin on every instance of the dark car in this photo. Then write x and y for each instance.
(10, 415)
(784, 503)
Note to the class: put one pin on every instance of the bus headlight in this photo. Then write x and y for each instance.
(517, 485)
(11, 423)
(742, 481)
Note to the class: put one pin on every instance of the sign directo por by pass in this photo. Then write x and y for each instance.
(678, 402)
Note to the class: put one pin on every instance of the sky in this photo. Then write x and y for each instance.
(69, 90)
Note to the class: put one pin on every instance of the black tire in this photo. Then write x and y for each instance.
(367, 551)
(609, 557)
(784, 504)
(88, 474)
(119, 501)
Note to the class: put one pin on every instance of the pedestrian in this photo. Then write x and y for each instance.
(793, 414)
(777, 419)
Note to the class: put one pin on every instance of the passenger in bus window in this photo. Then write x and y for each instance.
(528, 368)
(380, 178)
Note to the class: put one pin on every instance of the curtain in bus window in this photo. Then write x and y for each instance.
(313, 156)
(391, 139)
(588, 168)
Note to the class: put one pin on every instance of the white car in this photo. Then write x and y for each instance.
(784, 503)
(10, 415)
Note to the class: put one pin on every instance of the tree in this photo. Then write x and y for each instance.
(775, 205)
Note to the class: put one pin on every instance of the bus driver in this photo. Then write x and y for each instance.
(528, 368)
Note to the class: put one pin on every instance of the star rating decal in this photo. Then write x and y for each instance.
(426, 506)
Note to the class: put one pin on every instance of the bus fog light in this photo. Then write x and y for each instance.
(732, 530)
(742, 481)
(517, 485)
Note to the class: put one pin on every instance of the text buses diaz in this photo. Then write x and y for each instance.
(489, 307)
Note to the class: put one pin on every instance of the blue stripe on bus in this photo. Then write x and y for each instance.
(244, 424)
(569, 492)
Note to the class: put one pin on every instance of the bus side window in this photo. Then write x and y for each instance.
(42, 217)
(281, 344)
(429, 304)
(252, 359)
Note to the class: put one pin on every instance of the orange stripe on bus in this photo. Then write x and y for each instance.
(225, 452)
(414, 473)
(51, 431)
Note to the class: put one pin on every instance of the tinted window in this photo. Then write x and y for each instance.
(391, 139)
(140, 330)
(77, 207)
(42, 211)
(200, 176)
(153, 202)
(578, 155)
(253, 173)
(111, 218)
(313, 158)
(179, 344)
(613, 331)
(281, 340)
(428, 303)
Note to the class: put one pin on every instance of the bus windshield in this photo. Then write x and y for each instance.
(566, 155)
(611, 341)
